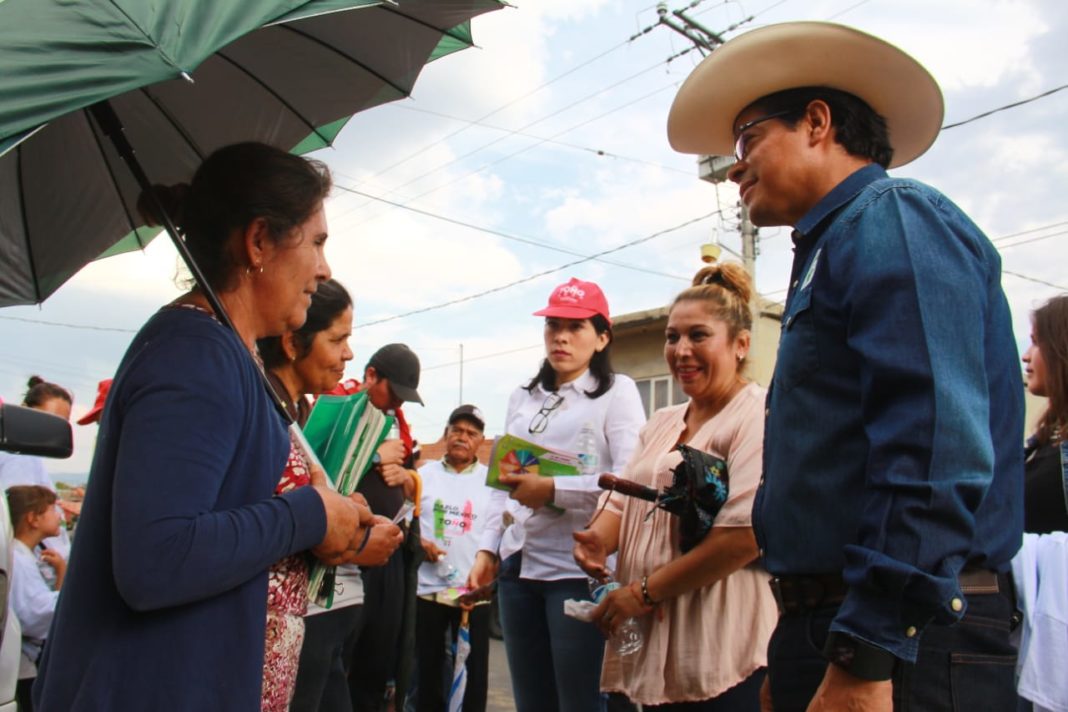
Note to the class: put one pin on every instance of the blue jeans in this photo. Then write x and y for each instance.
(555, 661)
(966, 666)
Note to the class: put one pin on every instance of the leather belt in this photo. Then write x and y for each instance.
(806, 592)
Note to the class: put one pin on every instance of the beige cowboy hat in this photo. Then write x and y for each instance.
(799, 54)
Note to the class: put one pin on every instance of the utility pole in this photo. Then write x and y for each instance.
(710, 168)
(461, 375)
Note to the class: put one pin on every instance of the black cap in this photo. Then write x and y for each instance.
(471, 413)
(400, 366)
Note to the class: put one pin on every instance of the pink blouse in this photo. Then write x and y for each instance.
(699, 644)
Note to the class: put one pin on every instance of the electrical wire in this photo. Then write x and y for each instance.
(505, 235)
(1005, 107)
(1034, 279)
(530, 278)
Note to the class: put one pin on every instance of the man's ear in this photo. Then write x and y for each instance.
(370, 376)
(818, 117)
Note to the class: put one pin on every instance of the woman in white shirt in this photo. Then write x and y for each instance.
(555, 661)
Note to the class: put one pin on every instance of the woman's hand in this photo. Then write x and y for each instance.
(591, 553)
(530, 490)
(483, 571)
(57, 562)
(346, 521)
(619, 605)
(384, 539)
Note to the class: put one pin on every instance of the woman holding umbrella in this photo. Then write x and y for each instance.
(555, 661)
(310, 361)
(708, 612)
(196, 491)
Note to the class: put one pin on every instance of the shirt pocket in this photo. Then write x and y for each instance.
(798, 355)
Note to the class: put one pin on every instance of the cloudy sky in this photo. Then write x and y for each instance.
(515, 161)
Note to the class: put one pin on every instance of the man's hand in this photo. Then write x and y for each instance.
(590, 554)
(57, 562)
(530, 490)
(384, 539)
(433, 553)
(394, 475)
(391, 452)
(483, 571)
(841, 691)
(765, 695)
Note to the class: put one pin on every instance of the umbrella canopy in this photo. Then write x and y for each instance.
(184, 78)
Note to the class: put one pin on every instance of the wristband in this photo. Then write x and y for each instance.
(646, 598)
(859, 658)
(366, 538)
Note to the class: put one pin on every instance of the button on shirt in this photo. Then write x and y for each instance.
(544, 535)
(893, 442)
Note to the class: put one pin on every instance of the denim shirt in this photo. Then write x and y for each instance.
(893, 451)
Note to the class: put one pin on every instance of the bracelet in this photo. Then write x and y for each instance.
(646, 598)
(366, 538)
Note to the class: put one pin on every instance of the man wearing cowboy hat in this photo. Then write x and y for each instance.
(891, 500)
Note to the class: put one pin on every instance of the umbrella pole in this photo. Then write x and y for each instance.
(109, 124)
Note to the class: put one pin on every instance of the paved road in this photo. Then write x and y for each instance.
(499, 694)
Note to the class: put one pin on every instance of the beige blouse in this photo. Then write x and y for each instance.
(704, 642)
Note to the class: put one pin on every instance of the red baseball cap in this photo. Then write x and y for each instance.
(93, 415)
(576, 300)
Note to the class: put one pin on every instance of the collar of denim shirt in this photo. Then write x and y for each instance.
(839, 196)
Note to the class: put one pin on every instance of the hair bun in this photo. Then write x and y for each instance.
(172, 198)
(730, 275)
(34, 381)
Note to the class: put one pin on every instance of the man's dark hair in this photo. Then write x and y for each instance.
(600, 365)
(857, 127)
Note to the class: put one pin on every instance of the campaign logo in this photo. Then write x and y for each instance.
(571, 293)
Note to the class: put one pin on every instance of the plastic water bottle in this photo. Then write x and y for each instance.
(627, 638)
(448, 573)
(586, 448)
(394, 430)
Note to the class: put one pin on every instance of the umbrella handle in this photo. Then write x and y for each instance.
(418, 492)
(465, 618)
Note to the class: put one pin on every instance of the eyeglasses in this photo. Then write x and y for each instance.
(540, 421)
(741, 147)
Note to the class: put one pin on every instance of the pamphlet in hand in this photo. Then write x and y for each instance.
(512, 455)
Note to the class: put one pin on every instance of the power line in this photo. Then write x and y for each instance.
(1029, 231)
(68, 325)
(537, 275)
(501, 108)
(509, 156)
(483, 357)
(1033, 239)
(505, 235)
(1005, 107)
(599, 152)
(526, 126)
(1034, 279)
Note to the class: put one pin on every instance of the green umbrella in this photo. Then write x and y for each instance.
(177, 79)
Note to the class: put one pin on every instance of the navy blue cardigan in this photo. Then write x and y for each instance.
(164, 604)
